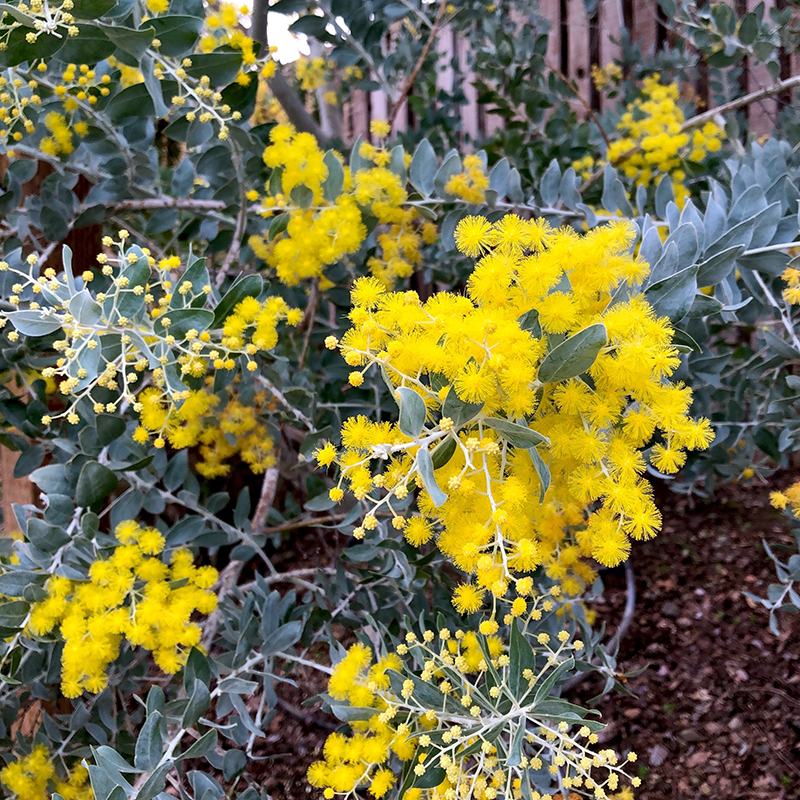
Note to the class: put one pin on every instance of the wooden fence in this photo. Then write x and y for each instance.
(576, 42)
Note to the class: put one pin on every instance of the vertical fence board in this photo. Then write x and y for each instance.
(551, 11)
(762, 116)
(645, 26)
(470, 119)
(14, 490)
(358, 118)
(569, 49)
(578, 68)
(401, 119)
(611, 25)
(444, 47)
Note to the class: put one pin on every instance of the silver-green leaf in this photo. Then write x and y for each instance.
(515, 434)
(425, 464)
(412, 412)
(574, 355)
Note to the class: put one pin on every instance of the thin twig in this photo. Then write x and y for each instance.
(293, 576)
(241, 221)
(571, 84)
(420, 61)
(309, 720)
(414, 10)
(227, 580)
(281, 398)
(630, 607)
(230, 575)
(358, 47)
(741, 102)
(622, 628)
(308, 321)
(268, 488)
(785, 316)
(152, 246)
(311, 522)
(180, 203)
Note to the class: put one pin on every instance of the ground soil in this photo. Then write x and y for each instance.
(715, 712)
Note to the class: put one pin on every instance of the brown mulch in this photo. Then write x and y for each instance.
(716, 712)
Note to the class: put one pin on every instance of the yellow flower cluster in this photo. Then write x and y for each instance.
(329, 229)
(653, 126)
(314, 237)
(791, 294)
(268, 109)
(446, 718)
(128, 76)
(349, 761)
(224, 29)
(603, 77)
(31, 778)
(382, 194)
(59, 140)
(205, 103)
(478, 358)
(148, 342)
(196, 422)
(158, 6)
(132, 595)
(583, 167)
(312, 72)
(789, 498)
(470, 185)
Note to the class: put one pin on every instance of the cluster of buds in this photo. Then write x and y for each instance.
(147, 325)
(40, 19)
(75, 91)
(203, 101)
(471, 714)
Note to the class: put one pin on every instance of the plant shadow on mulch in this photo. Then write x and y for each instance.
(716, 712)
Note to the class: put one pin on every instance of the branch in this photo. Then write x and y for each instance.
(189, 504)
(311, 522)
(241, 219)
(420, 61)
(268, 488)
(281, 398)
(308, 321)
(293, 106)
(786, 318)
(622, 628)
(227, 580)
(278, 85)
(741, 102)
(574, 89)
(230, 575)
(630, 607)
(179, 203)
(151, 245)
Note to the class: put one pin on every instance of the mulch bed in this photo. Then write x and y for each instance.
(716, 712)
